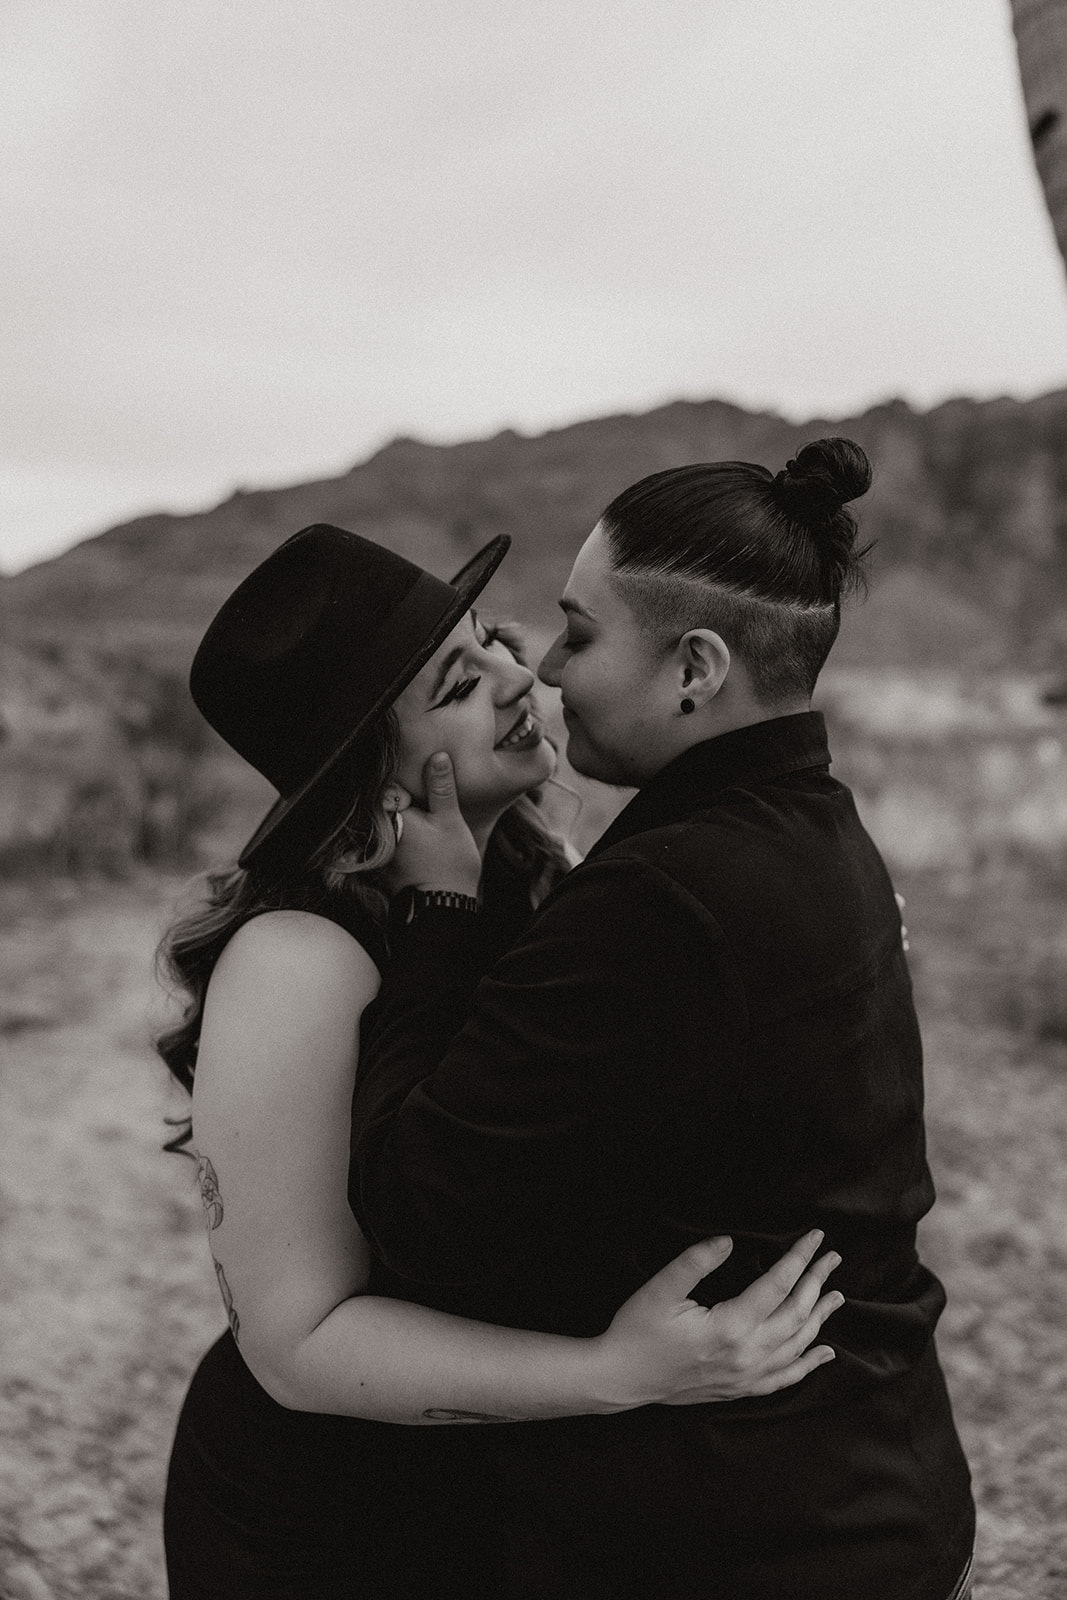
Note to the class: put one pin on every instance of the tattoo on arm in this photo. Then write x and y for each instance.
(208, 1180)
(209, 1192)
(227, 1300)
(442, 1414)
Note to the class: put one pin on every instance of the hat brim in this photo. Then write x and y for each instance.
(287, 813)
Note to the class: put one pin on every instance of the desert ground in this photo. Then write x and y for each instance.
(108, 1298)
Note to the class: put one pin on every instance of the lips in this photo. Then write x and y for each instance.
(521, 732)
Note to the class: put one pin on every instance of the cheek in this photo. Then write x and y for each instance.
(468, 740)
(602, 690)
(415, 750)
(580, 678)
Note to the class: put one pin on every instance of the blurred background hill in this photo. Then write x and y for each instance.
(969, 512)
(106, 761)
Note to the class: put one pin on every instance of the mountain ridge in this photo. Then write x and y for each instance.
(972, 495)
(103, 760)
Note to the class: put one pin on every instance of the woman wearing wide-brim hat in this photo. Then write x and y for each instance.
(338, 670)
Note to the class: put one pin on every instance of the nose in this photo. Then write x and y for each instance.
(514, 681)
(552, 663)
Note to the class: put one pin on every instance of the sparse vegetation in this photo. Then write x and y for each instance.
(109, 1299)
(106, 766)
(108, 780)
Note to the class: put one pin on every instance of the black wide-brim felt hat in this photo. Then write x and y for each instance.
(318, 640)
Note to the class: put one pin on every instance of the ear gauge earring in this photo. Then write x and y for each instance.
(688, 706)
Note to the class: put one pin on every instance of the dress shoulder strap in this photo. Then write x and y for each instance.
(346, 911)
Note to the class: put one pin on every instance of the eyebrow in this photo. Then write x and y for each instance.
(572, 607)
(449, 661)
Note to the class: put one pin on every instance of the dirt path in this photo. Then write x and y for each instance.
(107, 1298)
(107, 1292)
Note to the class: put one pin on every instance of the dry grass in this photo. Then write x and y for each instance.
(108, 1299)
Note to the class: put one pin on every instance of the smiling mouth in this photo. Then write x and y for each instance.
(520, 732)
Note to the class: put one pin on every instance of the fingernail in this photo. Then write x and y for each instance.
(439, 762)
(829, 1356)
(838, 1300)
(816, 1236)
(834, 1259)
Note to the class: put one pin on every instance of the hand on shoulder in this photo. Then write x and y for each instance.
(437, 849)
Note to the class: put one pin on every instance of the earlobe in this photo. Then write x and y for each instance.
(395, 801)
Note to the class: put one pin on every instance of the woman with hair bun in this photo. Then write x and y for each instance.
(707, 1027)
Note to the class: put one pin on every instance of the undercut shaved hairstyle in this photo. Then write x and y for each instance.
(764, 559)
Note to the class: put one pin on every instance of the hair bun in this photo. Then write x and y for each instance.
(825, 476)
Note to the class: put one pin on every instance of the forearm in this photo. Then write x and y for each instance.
(396, 1362)
(468, 1150)
(423, 1003)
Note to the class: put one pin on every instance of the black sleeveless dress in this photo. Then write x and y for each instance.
(263, 1503)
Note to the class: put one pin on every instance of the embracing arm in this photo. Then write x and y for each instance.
(270, 1123)
(471, 1147)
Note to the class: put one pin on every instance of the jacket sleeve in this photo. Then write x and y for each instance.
(469, 1145)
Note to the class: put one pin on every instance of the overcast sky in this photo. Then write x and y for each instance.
(248, 243)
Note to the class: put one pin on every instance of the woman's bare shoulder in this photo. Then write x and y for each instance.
(290, 948)
(290, 988)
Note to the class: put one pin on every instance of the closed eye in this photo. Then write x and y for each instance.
(506, 634)
(458, 691)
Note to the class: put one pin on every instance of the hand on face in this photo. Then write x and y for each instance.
(436, 849)
(473, 701)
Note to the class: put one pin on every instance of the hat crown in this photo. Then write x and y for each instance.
(311, 647)
(305, 647)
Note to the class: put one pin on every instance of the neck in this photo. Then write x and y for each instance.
(743, 713)
(481, 828)
(719, 718)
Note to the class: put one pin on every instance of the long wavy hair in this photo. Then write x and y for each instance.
(300, 871)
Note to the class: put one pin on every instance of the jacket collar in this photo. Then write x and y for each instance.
(689, 783)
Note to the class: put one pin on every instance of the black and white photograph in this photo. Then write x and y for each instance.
(533, 800)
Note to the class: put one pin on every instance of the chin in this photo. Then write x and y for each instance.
(596, 764)
(521, 774)
(535, 765)
(585, 761)
(548, 760)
